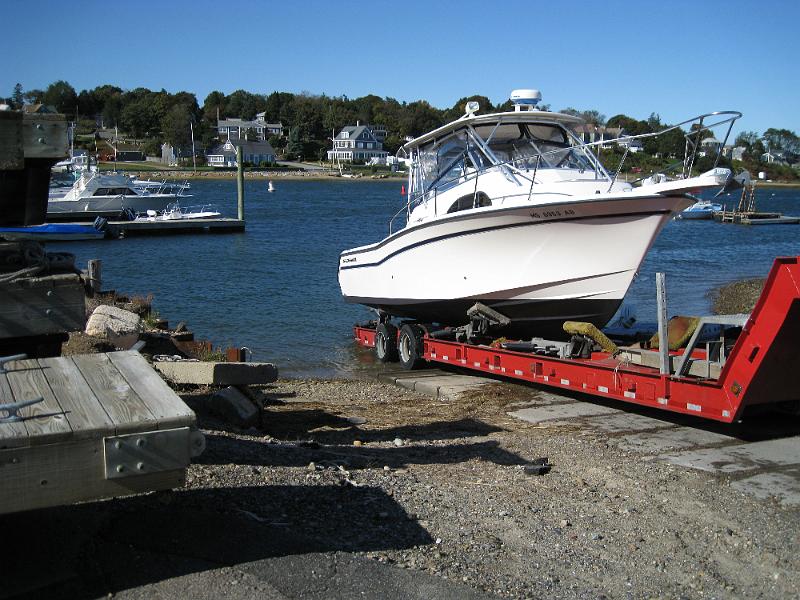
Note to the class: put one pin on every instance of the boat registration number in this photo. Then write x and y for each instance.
(552, 214)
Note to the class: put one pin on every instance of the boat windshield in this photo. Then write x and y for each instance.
(521, 143)
(447, 161)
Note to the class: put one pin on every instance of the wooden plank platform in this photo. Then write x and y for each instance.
(58, 453)
(128, 228)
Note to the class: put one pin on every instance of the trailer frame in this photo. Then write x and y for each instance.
(762, 367)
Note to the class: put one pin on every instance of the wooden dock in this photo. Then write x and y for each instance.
(118, 229)
(107, 426)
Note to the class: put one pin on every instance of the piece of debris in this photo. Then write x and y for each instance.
(398, 442)
(234, 407)
(356, 420)
(540, 466)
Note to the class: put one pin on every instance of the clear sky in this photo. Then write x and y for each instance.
(677, 58)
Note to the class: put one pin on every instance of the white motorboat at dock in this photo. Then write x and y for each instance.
(514, 211)
(97, 194)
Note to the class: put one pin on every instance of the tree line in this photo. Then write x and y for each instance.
(311, 120)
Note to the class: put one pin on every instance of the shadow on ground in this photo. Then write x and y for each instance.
(99, 548)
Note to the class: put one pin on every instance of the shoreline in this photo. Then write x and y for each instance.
(298, 175)
(262, 175)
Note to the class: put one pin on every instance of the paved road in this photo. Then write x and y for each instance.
(102, 548)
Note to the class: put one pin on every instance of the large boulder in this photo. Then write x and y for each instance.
(115, 320)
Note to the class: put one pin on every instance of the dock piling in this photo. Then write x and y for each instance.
(240, 183)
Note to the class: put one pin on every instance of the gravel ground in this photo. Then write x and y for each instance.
(440, 488)
(738, 297)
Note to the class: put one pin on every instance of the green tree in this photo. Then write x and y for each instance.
(294, 148)
(176, 126)
(62, 96)
(17, 97)
(139, 119)
(214, 105)
(33, 96)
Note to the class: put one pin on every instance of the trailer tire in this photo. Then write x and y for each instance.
(409, 347)
(386, 342)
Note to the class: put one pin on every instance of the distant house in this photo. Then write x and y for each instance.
(38, 109)
(777, 158)
(258, 129)
(597, 133)
(254, 152)
(632, 145)
(734, 152)
(357, 142)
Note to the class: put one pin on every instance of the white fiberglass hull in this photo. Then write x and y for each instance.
(107, 206)
(538, 265)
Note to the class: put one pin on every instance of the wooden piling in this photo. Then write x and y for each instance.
(95, 277)
(240, 183)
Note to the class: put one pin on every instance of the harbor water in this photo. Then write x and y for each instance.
(274, 287)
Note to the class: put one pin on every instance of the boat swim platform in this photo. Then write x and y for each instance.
(107, 425)
(118, 229)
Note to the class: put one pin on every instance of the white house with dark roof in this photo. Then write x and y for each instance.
(254, 152)
(357, 142)
(238, 128)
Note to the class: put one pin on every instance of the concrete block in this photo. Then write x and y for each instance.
(557, 412)
(617, 423)
(236, 408)
(743, 457)
(784, 486)
(218, 373)
(656, 442)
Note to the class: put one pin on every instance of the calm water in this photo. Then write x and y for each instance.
(274, 288)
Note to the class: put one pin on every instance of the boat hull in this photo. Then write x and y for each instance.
(105, 206)
(538, 265)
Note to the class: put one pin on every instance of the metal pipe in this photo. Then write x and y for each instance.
(663, 333)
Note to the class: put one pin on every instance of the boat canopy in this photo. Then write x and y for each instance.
(533, 116)
(518, 141)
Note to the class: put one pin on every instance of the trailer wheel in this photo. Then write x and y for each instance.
(386, 342)
(409, 347)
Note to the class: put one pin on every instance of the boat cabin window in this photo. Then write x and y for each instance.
(120, 191)
(470, 201)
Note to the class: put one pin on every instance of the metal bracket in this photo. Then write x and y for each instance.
(684, 361)
(12, 409)
(151, 451)
(5, 359)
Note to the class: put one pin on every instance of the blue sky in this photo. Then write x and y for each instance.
(677, 58)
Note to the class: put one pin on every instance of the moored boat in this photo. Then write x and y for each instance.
(108, 195)
(702, 209)
(514, 211)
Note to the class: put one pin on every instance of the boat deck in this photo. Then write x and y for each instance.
(107, 426)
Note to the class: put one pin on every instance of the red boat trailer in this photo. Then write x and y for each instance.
(763, 366)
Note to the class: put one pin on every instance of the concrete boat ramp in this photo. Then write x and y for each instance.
(760, 457)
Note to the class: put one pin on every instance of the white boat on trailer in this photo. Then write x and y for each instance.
(514, 211)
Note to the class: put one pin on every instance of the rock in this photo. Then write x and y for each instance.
(357, 443)
(117, 321)
(233, 406)
(398, 442)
